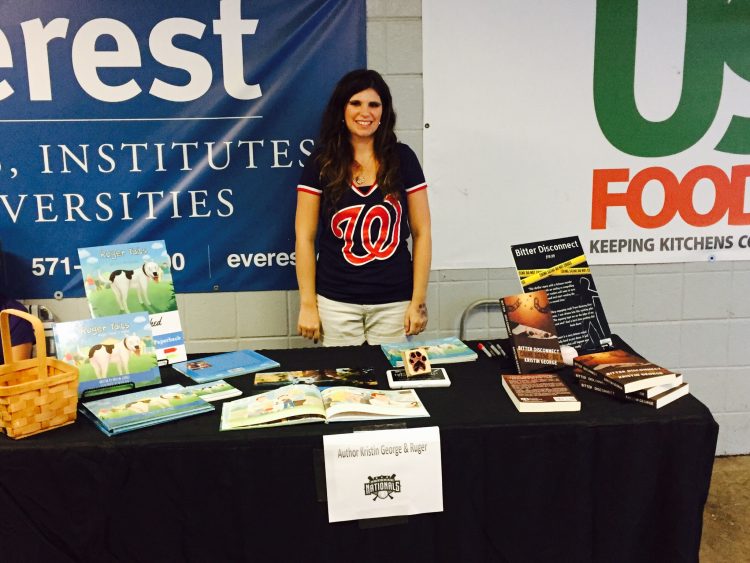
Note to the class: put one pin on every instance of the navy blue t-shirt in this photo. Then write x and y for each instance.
(21, 331)
(363, 254)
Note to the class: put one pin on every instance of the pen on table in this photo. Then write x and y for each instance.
(498, 350)
(483, 349)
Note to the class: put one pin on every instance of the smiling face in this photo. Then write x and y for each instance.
(362, 113)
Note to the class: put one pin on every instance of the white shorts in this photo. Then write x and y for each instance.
(349, 324)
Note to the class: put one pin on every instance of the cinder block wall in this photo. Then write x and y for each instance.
(692, 317)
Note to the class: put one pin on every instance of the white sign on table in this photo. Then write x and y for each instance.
(383, 473)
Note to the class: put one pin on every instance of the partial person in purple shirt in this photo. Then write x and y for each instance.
(21, 331)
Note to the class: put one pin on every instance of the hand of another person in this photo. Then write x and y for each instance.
(308, 324)
(415, 320)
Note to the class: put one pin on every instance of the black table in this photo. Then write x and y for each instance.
(616, 482)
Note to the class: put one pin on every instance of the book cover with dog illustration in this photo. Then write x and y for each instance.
(111, 354)
(132, 411)
(133, 277)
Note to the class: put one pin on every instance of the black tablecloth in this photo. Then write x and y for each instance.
(616, 482)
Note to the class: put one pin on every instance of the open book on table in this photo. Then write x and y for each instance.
(298, 404)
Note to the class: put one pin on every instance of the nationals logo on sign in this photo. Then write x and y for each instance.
(382, 486)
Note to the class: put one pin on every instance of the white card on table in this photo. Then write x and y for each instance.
(382, 473)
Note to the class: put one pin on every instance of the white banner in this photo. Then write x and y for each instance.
(618, 121)
(382, 473)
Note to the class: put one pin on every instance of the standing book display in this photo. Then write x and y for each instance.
(37, 394)
(125, 278)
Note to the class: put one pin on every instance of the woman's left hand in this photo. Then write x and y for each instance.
(415, 320)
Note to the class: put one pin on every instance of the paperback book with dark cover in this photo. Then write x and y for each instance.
(560, 267)
(624, 370)
(544, 392)
(533, 338)
(655, 401)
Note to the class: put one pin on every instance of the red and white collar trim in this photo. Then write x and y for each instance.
(364, 191)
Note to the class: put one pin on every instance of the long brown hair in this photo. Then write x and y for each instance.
(336, 155)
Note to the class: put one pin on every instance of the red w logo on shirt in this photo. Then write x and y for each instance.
(375, 231)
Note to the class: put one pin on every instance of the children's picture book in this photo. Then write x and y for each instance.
(214, 390)
(448, 350)
(299, 404)
(560, 267)
(228, 364)
(397, 379)
(123, 413)
(531, 331)
(543, 392)
(624, 370)
(361, 377)
(111, 354)
(655, 401)
(135, 277)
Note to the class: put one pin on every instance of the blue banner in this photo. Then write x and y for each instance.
(186, 121)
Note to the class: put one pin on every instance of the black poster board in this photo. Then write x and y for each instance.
(559, 266)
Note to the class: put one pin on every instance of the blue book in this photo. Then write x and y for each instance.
(132, 411)
(449, 350)
(228, 364)
(111, 354)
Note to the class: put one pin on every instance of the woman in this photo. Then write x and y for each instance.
(21, 332)
(366, 194)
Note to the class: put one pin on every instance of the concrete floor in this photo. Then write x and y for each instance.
(726, 518)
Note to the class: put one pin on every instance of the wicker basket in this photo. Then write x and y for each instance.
(37, 394)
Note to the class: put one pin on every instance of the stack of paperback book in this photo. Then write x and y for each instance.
(624, 375)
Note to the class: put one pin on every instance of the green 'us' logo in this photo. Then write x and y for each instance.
(717, 34)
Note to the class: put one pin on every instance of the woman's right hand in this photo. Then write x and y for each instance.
(309, 322)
